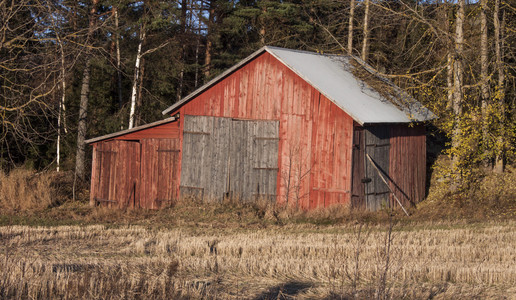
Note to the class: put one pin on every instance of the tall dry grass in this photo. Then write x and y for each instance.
(287, 262)
(22, 189)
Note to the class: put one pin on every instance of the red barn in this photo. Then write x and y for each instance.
(295, 127)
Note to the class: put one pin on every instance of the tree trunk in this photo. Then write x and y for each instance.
(350, 27)
(197, 46)
(80, 156)
(262, 26)
(139, 98)
(484, 87)
(449, 78)
(182, 39)
(62, 108)
(207, 57)
(118, 64)
(457, 90)
(500, 87)
(365, 42)
(445, 20)
(81, 128)
(196, 83)
(136, 77)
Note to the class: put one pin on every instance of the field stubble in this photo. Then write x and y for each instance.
(300, 261)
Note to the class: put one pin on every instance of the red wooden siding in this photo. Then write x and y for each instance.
(164, 131)
(315, 135)
(138, 169)
(331, 155)
(407, 166)
(159, 172)
(115, 174)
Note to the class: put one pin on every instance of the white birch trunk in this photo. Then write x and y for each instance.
(365, 42)
(136, 77)
(118, 64)
(62, 109)
(350, 26)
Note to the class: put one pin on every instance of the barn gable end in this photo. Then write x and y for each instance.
(314, 153)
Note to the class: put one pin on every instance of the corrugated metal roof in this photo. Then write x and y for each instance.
(332, 75)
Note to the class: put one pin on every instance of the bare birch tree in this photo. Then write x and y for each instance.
(136, 76)
(118, 61)
(350, 26)
(365, 40)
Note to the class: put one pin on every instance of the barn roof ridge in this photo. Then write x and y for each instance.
(336, 77)
(134, 129)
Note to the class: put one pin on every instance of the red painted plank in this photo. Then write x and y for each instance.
(168, 130)
(408, 163)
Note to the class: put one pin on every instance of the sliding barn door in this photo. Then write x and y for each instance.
(227, 157)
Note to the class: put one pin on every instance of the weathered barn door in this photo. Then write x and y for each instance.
(160, 159)
(253, 159)
(204, 169)
(117, 166)
(368, 189)
(229, 157)
(358, 172)
(377, 146)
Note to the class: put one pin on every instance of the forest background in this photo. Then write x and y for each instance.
(72, 70)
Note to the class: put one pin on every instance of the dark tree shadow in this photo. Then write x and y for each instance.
(284, 290)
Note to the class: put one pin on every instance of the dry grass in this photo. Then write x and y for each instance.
(22, 189)
(292, 261)
(489, 195)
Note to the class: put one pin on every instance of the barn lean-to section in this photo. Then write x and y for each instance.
(136, 168)
(288, 126)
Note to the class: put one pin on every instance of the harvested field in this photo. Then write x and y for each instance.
(293, 261)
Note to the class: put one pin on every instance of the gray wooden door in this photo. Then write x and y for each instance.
(358, 179)
(229, 157)
(204, 166)
(253, 159)
(377, 146)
